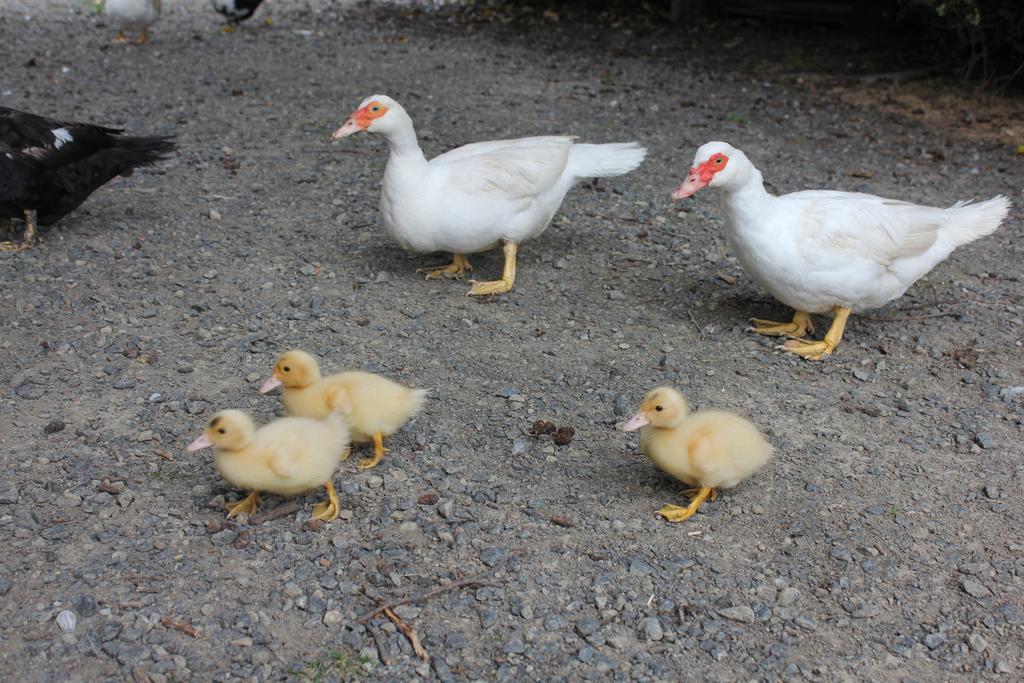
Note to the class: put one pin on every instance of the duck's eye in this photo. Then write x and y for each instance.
(659, 408)
(375, 108)
(222, 430)
(718, 160)
(286, 369)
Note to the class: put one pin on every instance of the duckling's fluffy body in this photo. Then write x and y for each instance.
(370, 403)
(288, 456)
(709, 448)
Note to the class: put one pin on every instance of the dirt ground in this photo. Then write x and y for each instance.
(882, 543)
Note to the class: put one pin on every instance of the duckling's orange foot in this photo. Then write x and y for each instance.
(693, 493)
(247, 505)
(801, 326)
(327, 510)
(371, 462)
(121, 38)
(458, 269)
(677, 513)
(345, 455)
(811, 350)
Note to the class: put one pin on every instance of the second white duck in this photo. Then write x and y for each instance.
(819, 250)
(134, 15)
(475, 197)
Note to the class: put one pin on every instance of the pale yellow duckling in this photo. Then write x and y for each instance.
(709, 450)
(373, 406)
(289, 456)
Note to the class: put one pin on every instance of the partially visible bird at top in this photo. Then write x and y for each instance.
(133, 15)
(48, 168)
(236, 11)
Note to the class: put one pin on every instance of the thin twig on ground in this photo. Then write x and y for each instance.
(281, 510)
(425, 595)
(187, 629)
(409, 632)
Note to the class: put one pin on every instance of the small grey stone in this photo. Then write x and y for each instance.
(333, 617)
(741, 613)
(29, 391)
(805, 622)
(985, 440)
(520, 446)
(861, 374)
(308, 269)
(652, 630)
(455, 641)
(124, 383)
(291, 590)
(934, 640)
(977, 643)
(224, 537)
(858, 609)
(639, 565)
(552, 622)
(67, 621)
(5, 585)
(587, 625)
(8, 493)
(515, 644)
(621, 405)
(84, 604)
(787, 596)
(992, 491)
(492, 556)
(974, 589)
(585, 654)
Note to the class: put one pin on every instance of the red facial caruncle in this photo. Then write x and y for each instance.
(701, 176)
(361, 119)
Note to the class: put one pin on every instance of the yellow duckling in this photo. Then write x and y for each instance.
(709, 449)
(373, 406)
(287, 457)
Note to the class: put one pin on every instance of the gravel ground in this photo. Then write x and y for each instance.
(883, 543)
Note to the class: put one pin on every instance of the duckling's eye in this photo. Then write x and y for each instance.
(286, 369)
(222, 430)
(659, 408)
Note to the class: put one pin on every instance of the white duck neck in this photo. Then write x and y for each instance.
(403, 143)
(744, 205)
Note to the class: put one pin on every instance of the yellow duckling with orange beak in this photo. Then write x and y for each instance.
(708, 450)
(373, 406)
(287, 457)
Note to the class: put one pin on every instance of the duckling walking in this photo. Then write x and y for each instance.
(709, 450)
(287, 457)
(373, 406)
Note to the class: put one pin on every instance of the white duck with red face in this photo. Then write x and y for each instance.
(821, 250)
(479, 196)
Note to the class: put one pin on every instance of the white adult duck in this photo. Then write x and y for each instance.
(473, 198)
(134, 15)
(822, 250)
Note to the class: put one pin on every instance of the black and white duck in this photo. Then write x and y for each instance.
(48, 168)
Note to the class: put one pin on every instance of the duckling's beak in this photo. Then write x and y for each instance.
(202, 441)
(272, 383)
(636, 422)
